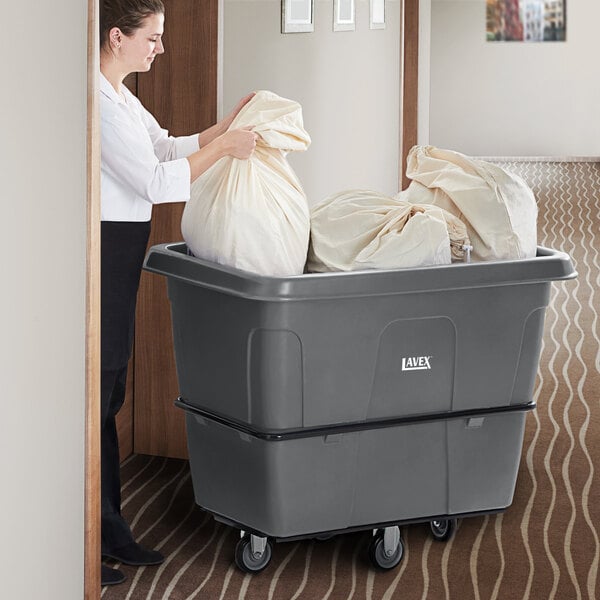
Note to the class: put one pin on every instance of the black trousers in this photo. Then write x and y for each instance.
(122, 254)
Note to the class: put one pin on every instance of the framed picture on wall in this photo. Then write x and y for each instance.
(526, 20)
(297, 16)
(343, 15)
(377, 12)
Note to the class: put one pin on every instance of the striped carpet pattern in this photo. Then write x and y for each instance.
(544, 547)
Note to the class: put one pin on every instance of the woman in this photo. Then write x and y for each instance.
(141, 166)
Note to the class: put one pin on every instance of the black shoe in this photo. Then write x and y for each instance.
(133, 554)
(111, 576)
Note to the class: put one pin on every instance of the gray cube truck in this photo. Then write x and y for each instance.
(322, 404)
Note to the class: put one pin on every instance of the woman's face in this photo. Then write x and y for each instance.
(139, 49)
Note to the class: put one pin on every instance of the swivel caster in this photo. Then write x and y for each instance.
(386, 549)
(253, 553)
(443, 529)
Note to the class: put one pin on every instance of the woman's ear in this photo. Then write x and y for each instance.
(115, 37)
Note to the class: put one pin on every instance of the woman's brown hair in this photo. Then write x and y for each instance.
(127, 15)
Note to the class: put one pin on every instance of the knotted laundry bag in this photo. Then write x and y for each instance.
(498, 208)
(253, 214)
(360, 229)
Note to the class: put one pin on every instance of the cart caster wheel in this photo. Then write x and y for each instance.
(378, 555)
(443, 529)
(249, 561)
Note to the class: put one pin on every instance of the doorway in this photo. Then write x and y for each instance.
(194, 25)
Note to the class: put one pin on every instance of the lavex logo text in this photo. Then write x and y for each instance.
(416, 363)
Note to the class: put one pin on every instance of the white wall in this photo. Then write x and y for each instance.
(424, 71)
(513, 98)
(42, 307)
(347, 83)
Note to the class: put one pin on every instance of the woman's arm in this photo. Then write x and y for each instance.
(155, 172)
(131, 162)
(169, 148)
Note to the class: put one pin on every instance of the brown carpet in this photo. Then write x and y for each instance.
(545, 546)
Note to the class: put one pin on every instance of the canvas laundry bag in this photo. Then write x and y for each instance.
(253, 214)
(498, 208)
(360, 229)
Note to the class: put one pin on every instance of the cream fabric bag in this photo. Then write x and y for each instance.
(498, 208)
(253, 214)
(359, 229)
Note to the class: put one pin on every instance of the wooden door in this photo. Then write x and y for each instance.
(181, 92)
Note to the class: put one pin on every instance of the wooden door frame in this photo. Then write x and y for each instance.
(92, 359)
(409, 82)
(409, 65)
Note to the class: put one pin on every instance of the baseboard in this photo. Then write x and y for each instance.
(574, 159)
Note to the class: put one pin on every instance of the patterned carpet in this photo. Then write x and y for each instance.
(545, 546)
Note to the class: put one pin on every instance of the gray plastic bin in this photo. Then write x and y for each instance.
(328, 402)
(296, 486)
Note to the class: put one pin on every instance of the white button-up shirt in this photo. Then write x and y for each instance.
(141, 164)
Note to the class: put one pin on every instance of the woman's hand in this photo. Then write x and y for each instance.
(212, 133)
(239, 143)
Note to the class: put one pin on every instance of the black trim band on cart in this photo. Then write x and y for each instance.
(353, 529)
(291, 434)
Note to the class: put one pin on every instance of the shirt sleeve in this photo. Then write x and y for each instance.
(168, 147)
(132, 161)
